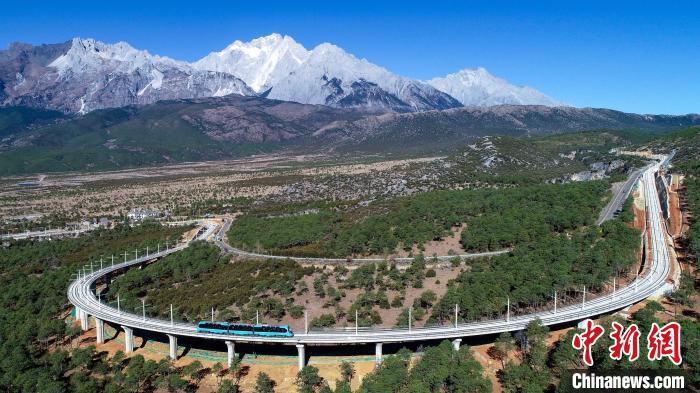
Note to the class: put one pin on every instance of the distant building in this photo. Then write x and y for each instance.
(140, 213)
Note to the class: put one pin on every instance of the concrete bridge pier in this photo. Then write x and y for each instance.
(301, 352)
(77, 313)
(100, 330)
(456, 343)
(173, 346)
(231, 352)
(84, 323)
(128, 339)
(378, 354)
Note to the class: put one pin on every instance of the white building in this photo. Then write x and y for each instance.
(139, 214)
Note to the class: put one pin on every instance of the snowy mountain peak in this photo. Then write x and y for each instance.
(478, 87)
(325, 75)
(327, 48)
(260, 63)
(85, 74)
(90, 55)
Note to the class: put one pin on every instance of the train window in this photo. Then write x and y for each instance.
(209, 325)
(243, 328)
(271, 329)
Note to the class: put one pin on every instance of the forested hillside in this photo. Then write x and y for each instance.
(439, 369)
(199, 278)
(495, 219)
(549, 227)
(35, 350)
(530, 275)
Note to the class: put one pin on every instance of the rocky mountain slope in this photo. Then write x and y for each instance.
(235, 126)
(83, 75)
(440, 129)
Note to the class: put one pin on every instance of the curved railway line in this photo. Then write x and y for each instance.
(652, 280)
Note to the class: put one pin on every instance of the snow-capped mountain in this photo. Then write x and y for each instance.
(477, 87)
(82, 75)
(261, 63)
(89, 55)
(90, 74)
(327, 75)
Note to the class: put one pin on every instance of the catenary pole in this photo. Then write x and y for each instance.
(508, 310)
(456, 312)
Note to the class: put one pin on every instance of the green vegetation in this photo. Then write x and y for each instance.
(691, 169)
(200, 277)
(290, 232)
(308, 380)
(34, 339)
(537, 367)
(14, 120)
(495, 218)
(686, 161)
(556, 246)
(263, 383)
(531, 374)
(587, 256)
(323, 320)
(183, 266)
(564, 357)
(440, 369)
(120, 138)
(627, 211)
(521, 161)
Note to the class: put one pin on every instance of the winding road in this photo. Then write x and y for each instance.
(219, 240)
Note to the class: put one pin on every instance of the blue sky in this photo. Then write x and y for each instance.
(632, 56)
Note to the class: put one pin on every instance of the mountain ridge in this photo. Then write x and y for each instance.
(215, 128)
(85, 74)
(477, 87)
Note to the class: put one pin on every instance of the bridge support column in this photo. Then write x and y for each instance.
(378, 354)
(173, 346)
(456, 343)
(84, 323)
(231, 352)
(77, 313)
(128, 339)
(301, 353)
(100, 330)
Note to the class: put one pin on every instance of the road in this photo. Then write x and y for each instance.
(80, 294)
(45, 233)
(221, 243)
(620, 197)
